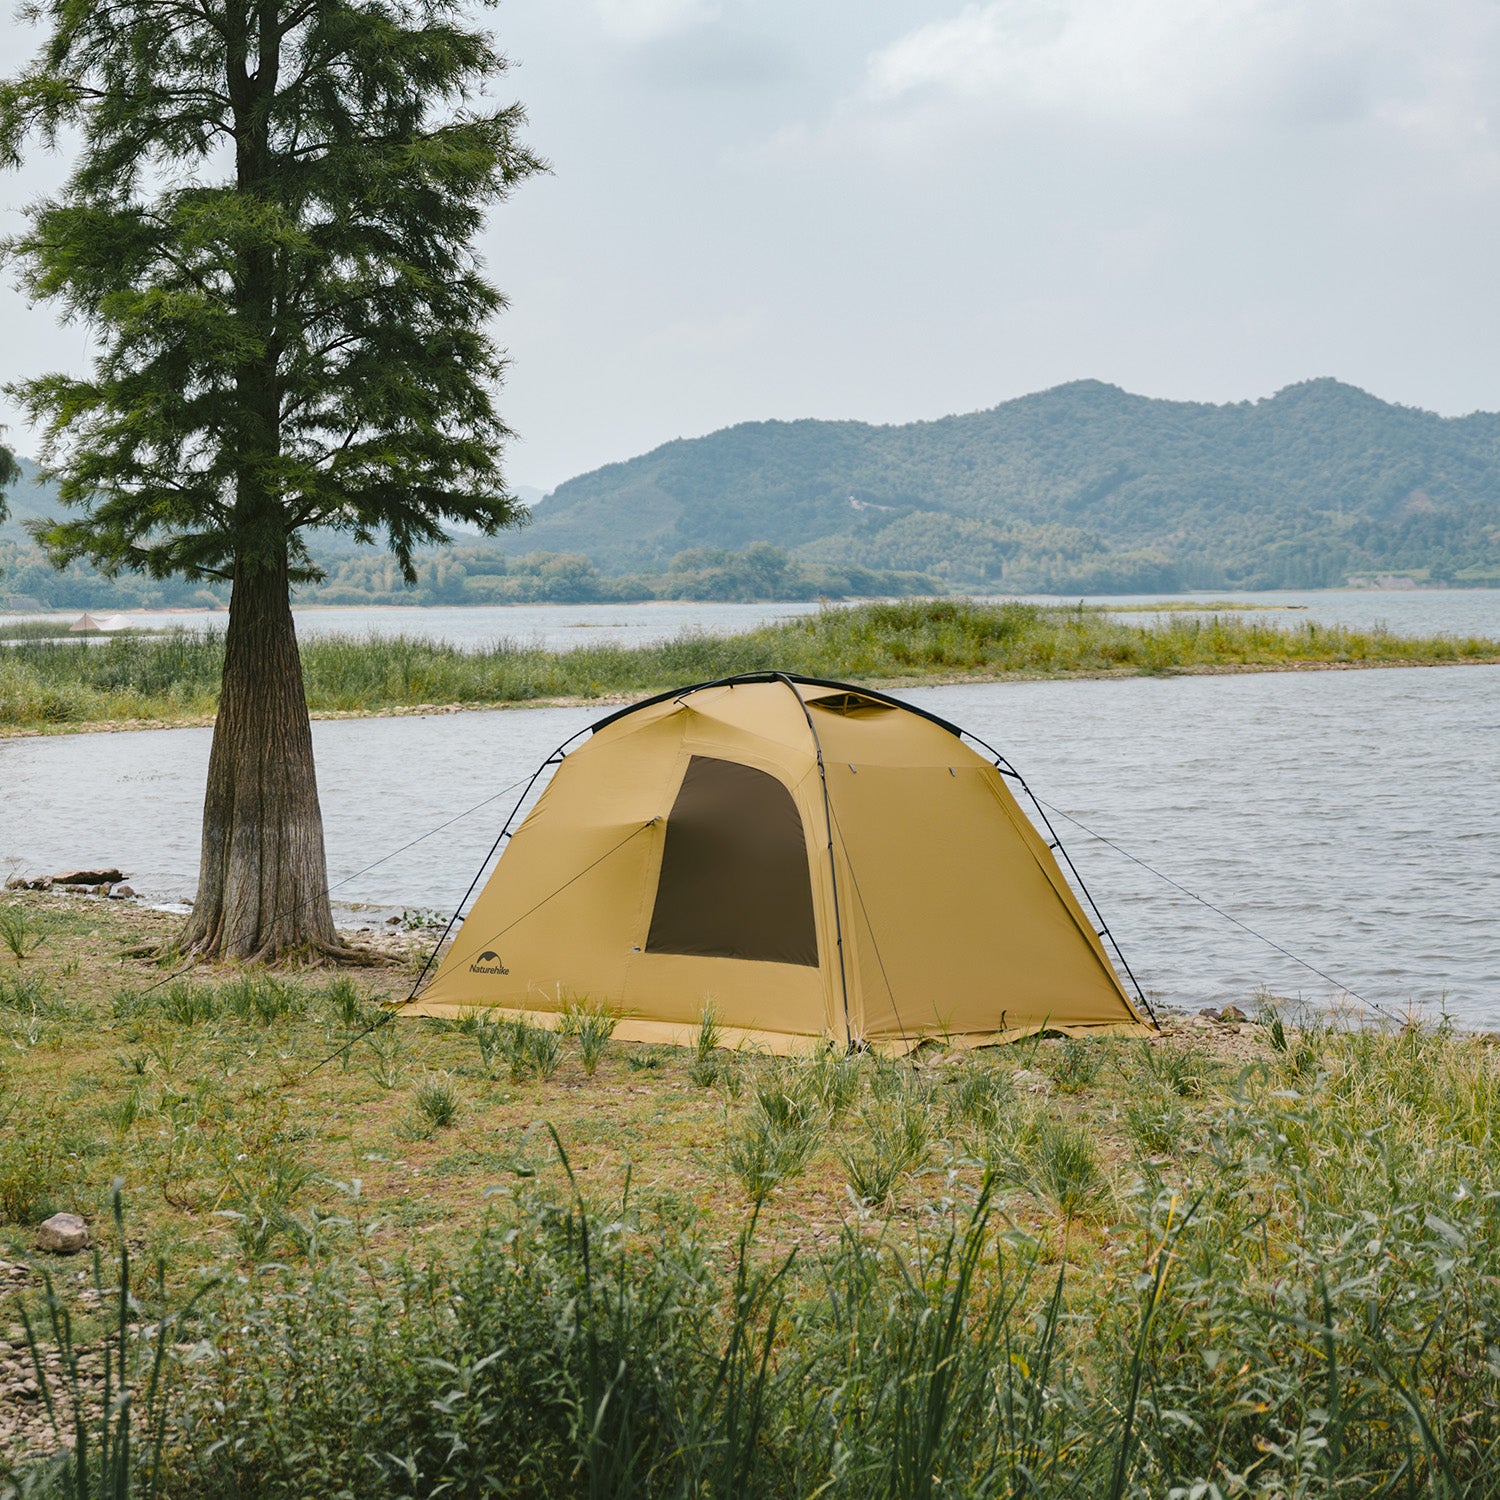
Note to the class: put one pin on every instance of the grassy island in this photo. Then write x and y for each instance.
(173, 678)
(399, 1258)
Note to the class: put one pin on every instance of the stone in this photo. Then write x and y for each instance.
(1233, 1013)
(1212, 1012)
(88, 877)
(63, 1234)
(122, 893)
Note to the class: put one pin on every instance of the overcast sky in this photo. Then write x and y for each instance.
(893, 209)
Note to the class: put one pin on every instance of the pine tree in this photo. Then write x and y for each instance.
(269, 228)
(10, 471)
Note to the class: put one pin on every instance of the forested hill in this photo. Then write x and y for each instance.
(1080, 489)
(1083, 487)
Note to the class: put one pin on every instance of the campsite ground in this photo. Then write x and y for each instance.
(262, 1123)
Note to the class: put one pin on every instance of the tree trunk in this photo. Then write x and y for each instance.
(263, 880)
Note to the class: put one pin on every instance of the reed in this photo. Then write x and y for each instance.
(174, 677)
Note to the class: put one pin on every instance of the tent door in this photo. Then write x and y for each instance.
(734, 880)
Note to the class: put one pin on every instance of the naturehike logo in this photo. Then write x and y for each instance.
(488, 963)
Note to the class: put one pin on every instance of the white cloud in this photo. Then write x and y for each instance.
(650, 20)
(1430, 66)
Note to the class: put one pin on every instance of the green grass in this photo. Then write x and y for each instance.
(175, 677)
(1259, 1273)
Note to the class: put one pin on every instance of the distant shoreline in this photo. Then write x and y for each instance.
(1150, 601)
(612, 699)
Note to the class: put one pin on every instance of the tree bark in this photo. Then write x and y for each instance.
(263, 880)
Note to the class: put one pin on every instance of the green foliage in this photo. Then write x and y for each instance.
(299, 341)
(1155, 1123)
(892, 1139)
(591, 1025)
(706, 1067)
(437, 1102)
(20, 932)
(980, 1096)
(176, 675)
(519, 1045)
(1183, 1071)
(1059, 1161)
(110, 1448)
(1075, 1065)
(774, 1142)
(1080, 489)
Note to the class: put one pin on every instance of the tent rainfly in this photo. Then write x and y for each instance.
(814, 860)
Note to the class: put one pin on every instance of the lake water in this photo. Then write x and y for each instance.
(560, 626)
(1351, 817)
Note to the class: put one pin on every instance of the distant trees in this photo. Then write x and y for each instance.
(270, 229)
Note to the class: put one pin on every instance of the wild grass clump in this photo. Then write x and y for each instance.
(515, 1045)
(892, 1139)
(437, 1102)
(176, 675)
(387, 1055)
(708, 1067)
(1075, 1065)
(772, 1145)
(1183, 1071)
(187, 1003)
(20, 931)
(1156, 1124)
(30, 995)
(980, 1096)
(1058, 1160)
(40, 1163)
(264, 998)
(590, 1025)
(833, 1079)
(259, 1195)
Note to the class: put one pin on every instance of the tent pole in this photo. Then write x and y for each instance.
(554, 759)
(1006, 769)
(833, 877)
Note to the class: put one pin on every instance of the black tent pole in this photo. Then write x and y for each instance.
(1006, 769)
(554, 759)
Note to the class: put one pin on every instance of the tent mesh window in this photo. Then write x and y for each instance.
(734, 878)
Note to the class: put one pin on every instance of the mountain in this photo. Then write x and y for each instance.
(28, 499)
(1082, 487)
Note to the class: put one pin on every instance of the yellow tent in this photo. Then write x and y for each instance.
(814, 860)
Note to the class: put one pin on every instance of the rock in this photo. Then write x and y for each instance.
(18, 883)
(63, 1234)
(122, 893)
(1212, 1012)
(88, 877)
(1233, 1013)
